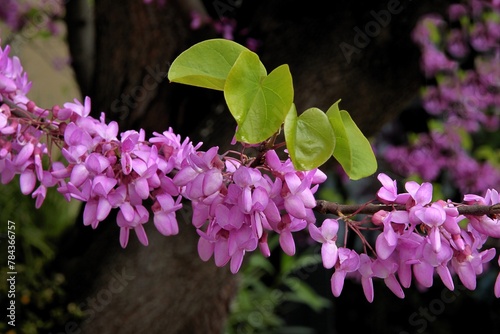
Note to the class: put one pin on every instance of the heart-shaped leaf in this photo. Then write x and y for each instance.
(309, 138)
(258, 103)
(207, 64)
(352, 150)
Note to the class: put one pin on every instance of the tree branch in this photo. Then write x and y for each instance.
(326, 207)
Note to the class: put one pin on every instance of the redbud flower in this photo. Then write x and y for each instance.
(348, 261)
(327, 235)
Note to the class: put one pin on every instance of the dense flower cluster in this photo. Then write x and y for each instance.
(420, 241)
(243, 204)
(102, 168)
(461, 60)
(109, 170)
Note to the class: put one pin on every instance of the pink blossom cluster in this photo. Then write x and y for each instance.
(236, 206)
(21, 150)
(421, 241)
(125, 172)
(102, 168)
(443, 154)
(461, 60)
(20, 14)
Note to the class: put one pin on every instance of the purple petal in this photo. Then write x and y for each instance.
(292, 181)
(383, 247)
(27, 181)
(466, 273)
(39, 194)
(316, 234)
(78, 175)
(329, 228)
(497, 287)
(221, 253)
(394, 286)
(103, 209)
(127, 211)
(367, 284)
(236, 261)
(24, 154)
(200, 214)
(212, 182)
(295, 207)
(90, 213)
(184, 176)
(245, 200)
(166, 223)
(287, 243)
(126, 162)
(272, 213)
(96, 163)
(7, 85)
(142, 187)
(445, 275)
(141, 234)
(260, 199)
(205, 249)
(435, 239)
(337, 282)
(424, 194)
(329, 255)
(124, 234)
(424, 273)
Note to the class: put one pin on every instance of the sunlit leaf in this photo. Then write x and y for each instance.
(352, 150)
(309, 138)
(207, 64)
(258, 104)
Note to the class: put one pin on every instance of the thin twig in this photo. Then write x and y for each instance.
(326, 207)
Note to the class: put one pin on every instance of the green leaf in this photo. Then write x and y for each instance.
(353, 150)
(207, 64)
(309, 138)
(258, 104)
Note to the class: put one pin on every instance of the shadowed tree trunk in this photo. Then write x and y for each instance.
(165, 287)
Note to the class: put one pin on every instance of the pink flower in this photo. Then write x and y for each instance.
(386, 269)
(485, 224)
(497, 282)
(348, 261)
(389, 192)
(285, 227)
(140, 216)
(327, 235)
(82, 110)
(365, 269)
